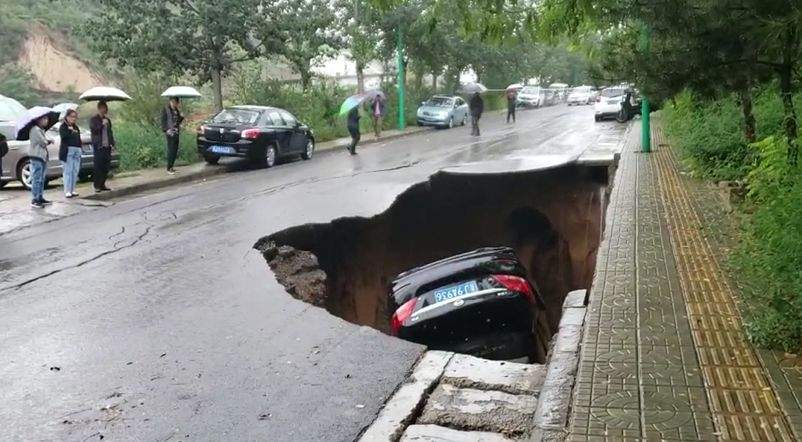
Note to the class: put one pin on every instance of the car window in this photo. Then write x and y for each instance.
(440, 102)
(266, 120)
(236, 116)
(276, 118)
(529, 90)
(288, 118)
(612, 92)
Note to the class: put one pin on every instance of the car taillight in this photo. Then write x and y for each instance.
(201, 129)
(402, 314)
(250, 134)
(516, 284)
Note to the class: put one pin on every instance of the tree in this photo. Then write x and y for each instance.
(305, 32)
(202, 39)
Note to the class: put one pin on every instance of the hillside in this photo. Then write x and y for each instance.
(45, 56)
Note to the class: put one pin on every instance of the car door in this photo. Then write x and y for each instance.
(298, 135)
(460, 110)
(282, 130)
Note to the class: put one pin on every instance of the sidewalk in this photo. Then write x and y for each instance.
(128, 183)
(664, 356)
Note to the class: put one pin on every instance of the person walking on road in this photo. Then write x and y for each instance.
(512, 98)
(171, 125)
(477, 106)
(3, 151)
(353, 129)
(102, 144)
(69, 151)
(377, 111)
(38, 157)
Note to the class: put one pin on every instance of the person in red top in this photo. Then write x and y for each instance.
(377, 112)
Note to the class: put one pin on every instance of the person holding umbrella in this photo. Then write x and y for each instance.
(477, 106)
(353, 128)
(70, 151)
(377, 112)
(102, 144)
(32, 126)
(171, 125)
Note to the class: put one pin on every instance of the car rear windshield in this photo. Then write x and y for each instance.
(236, 116)
(529, 90)
(440, 102)
(612, 92)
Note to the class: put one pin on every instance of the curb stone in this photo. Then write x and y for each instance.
(442, 434)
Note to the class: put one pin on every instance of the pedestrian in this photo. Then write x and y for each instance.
(377, 108)
(102, 143)
(37, 152)
(3, 152)
(171, 125)
(69, 151)
(512, 98)
(477, 106)
(353, 129)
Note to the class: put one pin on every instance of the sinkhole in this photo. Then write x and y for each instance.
(553, 219)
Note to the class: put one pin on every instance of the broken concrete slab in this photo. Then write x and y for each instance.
(403, 406)
(435, 433)
(466, 371)
(575, 299)
(479, 410)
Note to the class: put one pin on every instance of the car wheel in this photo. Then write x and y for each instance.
(310, 150)
(597, 118)
(269, 159)
(3, 184)
(211, 159)
(24, 173)
(621, 117)
(451, 123)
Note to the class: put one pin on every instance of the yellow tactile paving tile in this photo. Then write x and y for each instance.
(742, 402)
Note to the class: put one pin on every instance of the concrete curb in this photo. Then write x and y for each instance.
(184, 177)
(551, 416)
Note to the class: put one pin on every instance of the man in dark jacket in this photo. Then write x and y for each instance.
(512, 98)
(102, 144)
(477, 106)
(353, 129)
(171, 126)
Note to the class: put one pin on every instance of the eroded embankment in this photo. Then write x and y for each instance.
(553, 219)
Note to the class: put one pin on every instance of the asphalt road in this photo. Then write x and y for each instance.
(154, 319)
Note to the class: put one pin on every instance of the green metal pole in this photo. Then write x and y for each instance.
(646, 128)
(401, 80)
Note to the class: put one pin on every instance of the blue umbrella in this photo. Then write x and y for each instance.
(27, 120)
(10, 109)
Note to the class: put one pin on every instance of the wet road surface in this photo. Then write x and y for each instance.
(154, 318)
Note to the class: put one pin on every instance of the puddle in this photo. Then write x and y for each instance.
(553, 219)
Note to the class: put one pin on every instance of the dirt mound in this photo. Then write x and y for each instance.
(55, 69)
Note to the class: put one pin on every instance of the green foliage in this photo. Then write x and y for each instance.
(144, 146)
(709, 134)
(17, 83)
(770, 255)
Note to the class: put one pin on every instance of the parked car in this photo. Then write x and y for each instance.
(443, 111)
(260, 133)
(17, 165)
(550, 97)
(478, 303)
(531, 96)
(619, 102)
(581, 95)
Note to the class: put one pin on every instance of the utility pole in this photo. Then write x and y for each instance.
(399, 48)
(646, 128)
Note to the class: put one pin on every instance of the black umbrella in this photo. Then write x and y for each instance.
(27, 121)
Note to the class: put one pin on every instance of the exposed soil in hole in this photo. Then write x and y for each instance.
(553, 219)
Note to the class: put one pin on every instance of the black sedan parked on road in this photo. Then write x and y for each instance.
(478, 303)
(260, 133)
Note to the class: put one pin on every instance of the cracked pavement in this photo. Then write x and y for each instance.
(164, 323)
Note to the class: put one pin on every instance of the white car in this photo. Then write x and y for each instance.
(581, 95)
(531, 96)
(608, 103)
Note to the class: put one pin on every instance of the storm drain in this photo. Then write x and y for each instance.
(553, 220)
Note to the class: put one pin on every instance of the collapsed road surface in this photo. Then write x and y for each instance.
(156, 319)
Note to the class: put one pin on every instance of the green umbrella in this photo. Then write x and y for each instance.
(350, 103)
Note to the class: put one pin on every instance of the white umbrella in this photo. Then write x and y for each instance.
(29, 118)
(515, 86)
(470, 88)
(62, 108)
(104, 93)
(181, 92)
(10, 109)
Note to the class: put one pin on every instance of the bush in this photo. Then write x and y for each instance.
(143, 146)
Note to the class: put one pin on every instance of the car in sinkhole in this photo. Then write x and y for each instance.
(479, 303)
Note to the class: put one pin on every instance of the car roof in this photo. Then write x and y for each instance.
(253, 107)
(444, 96)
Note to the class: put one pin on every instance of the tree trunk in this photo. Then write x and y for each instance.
(434, 82)
(217, 89)
(360, 77)
(745, 97)
(306, 80)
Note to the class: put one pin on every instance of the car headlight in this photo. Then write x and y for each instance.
(442, 114)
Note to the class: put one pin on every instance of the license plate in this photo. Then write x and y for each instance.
(221, 149)
(455, 291)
